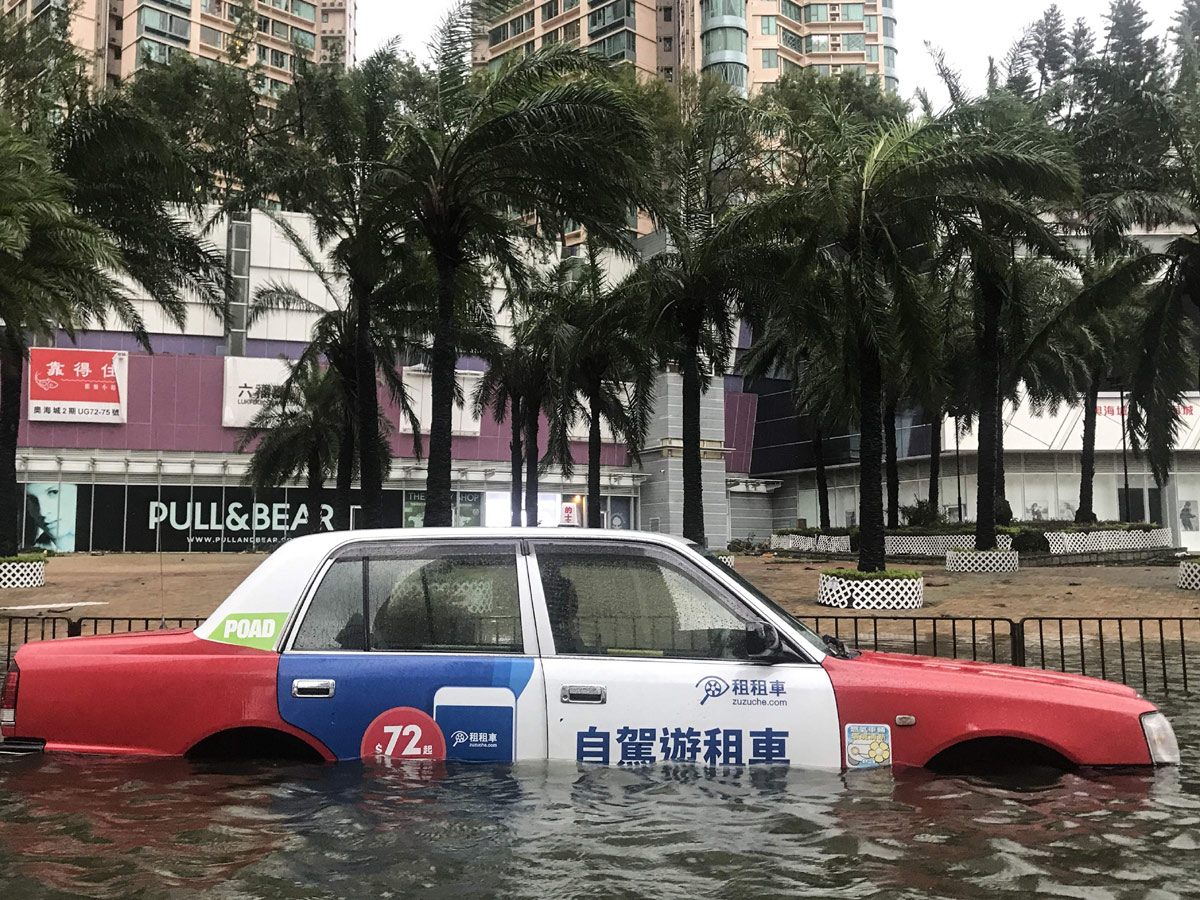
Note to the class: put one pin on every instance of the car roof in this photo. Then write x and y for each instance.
(327, 541)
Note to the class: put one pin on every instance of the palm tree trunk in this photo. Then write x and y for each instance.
(1004, 513)
(693, 478)
(370, 474)
(12, 366)
(893, 468)
(439, 501)
(533, 411)
(516, 423)
(870, 504)
(935, 461)
(345, 473)
(1087, 464)
(987, 352)
(822, 477)
(316, 484)
(594, 519)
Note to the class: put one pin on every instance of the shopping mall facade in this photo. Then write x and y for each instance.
(121, 449)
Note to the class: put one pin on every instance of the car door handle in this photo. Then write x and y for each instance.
(313, 687)
(583, 693)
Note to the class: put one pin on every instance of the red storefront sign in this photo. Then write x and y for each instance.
(67, 385)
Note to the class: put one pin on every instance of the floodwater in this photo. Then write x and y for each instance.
(107, 828)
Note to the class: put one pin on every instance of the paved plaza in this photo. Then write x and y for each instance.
(194, 584)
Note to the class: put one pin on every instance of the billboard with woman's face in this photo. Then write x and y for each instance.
(50, 509)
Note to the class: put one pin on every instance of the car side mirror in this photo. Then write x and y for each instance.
(763, 642)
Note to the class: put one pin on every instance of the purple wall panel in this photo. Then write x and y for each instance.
(175, 404)
(740, 411)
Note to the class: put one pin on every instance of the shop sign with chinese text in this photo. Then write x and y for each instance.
(68, 385)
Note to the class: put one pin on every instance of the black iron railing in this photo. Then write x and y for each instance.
(1157, 656)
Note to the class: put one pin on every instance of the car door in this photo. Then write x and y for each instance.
(644, 657)
(416, 650)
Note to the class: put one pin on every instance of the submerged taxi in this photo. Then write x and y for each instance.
(618, 648)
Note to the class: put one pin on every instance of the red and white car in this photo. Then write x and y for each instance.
(596, 646)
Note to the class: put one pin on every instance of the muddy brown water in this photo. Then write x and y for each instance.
(87, 827)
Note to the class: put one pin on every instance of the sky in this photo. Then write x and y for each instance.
(967, 31)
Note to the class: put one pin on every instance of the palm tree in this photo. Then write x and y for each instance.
(548, 137)
(597, 350)
(711, 154)
(54, 274)
(295, 435)
(374, 316)
(129, 195)
(875, 207)
(503, 389)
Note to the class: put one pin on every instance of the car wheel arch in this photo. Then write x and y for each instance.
(258, 741)
(987, 749)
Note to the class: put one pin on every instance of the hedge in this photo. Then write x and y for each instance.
(1027, 537)
(24, 558)
(884, 574)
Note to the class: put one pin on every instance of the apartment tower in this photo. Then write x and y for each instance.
(121, 36)
(748, 43)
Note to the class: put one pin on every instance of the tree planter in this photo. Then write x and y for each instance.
(936, 544)
(1189, 575)
(982, 561)
(1106, 541)
(874, 593)
(26, 574)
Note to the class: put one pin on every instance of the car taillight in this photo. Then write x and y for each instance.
(8, 702)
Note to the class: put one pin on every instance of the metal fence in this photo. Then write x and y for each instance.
(16, 631)
(1157, 656)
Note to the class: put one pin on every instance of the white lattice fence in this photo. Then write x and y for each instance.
(833, 543)
(823, 543)
(1107, 541)
(875, 593)
(727, 560)
(982, 561)
(1189, 576)
(23, 574)
(936, 544)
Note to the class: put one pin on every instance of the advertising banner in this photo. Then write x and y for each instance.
(249, 384)
(67, 385)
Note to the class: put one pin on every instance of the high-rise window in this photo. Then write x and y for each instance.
(792, 10)
(304, 10)
(816, 12)
(711, 8)
(211, 36)
(872, 53)
(722, 39)
(871, 23)
(770, 58)
(852, 12)
(668, 13)
(854, 43)
(889, 57)
(889, 27)
(856, 68)
(816, 43)
(668, 44)
(305, 39)
(549, 10)
(769, 24)
(791, 40)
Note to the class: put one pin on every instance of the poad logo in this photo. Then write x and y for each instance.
(713, 686)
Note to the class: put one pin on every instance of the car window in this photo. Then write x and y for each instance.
(631, 601)
(447, 600)
(334, 620)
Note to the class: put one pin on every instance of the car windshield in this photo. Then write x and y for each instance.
(803, 630)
